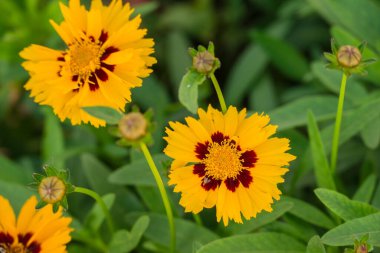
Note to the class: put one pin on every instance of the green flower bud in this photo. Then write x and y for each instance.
(203, 62)
(51, 189)
(133, 126)
(349, 56)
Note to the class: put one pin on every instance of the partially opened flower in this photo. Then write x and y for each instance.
(106, 56)
(228, 161)
(35, 231)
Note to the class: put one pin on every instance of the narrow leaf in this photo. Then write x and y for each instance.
(188, 89)
(110, 115)
(315, 245)
(309, 213)
(256, 243)
(321, 167)
(342, 206)
(53, 142)
(365, 191)
(346, 233)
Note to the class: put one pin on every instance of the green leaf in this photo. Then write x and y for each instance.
(294, 113)
(245, 71)
(95, 217)
(188, 89)
(315, 245)
(283, 55)
(96, 174)
(138, 172)
(365, 25)
(124, 241)
(16, 193)
(342, 206)
(309, 213)
(365, 191)
(53, 142)
(261, 219)
(187, 233)
(321, 167)
(263, 97)
(110, 115)
(344, 37)
(263, 242)
(250, 66)
(371, 133)
(12, 172)
(352, 122)
(346, 233)
(146, 8)
(355, 92)
(178, 60)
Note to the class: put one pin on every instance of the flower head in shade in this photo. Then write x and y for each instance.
(227, 160)
(35, 231)
(106, 56)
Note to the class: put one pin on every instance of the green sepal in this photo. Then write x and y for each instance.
(334, 46)
(114, 131)
(64, 203)
(201, 48)
(362, 46)
(38, 177)
(211, 48)
(40, 204)
(192, 51)
(56, 207)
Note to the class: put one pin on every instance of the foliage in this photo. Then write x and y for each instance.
(271, 55)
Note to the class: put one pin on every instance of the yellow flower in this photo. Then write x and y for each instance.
(35, 231)
(106, 56)
(228, 161)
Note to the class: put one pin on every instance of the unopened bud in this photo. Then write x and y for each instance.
(349, 56)
(203, 62)
(362, 249)
(133, 126)
(51, 189)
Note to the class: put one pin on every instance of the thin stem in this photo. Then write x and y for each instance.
(338, 121)
(219, 93)
(164, 196)
(197, 219)
(100, 202)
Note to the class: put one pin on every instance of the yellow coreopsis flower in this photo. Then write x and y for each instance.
(35, 231)
(228, 161)
(106, 56)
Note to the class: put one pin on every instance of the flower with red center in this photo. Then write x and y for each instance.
(106, 56)
(227, 160)
(35, 231)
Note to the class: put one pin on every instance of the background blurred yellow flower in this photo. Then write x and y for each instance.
(228, 161)
(35, 231)
(106, 56)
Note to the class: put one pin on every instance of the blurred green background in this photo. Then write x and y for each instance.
(272, 61)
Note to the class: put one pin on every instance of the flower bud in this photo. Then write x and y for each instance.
(349, 56)
(132, 126)
(51, 189)
(362, 249)
(203, 62)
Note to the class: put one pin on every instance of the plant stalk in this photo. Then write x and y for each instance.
(338, 121)
(164, 196)
(100, 202)
(219, 93)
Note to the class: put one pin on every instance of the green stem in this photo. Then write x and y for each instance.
(197, 219)
(338, 121)
(219, 93)
(100, 202)
(164, 196)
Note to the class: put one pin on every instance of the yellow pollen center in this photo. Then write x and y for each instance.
(18, 248)
(84, 58)
(223, 161)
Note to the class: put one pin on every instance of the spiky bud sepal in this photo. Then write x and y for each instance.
(53, 187)
(348, 58)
